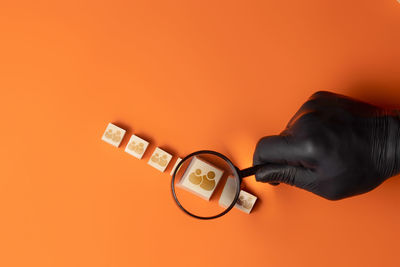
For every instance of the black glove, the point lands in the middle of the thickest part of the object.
(334, 146)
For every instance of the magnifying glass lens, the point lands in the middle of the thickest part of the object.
(206, 185)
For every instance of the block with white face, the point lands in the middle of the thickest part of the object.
(201, 178)
(136, 146)
(175, 165)
(245, 201)
(113, 135)
(160, 159)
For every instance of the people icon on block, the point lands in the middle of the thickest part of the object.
(245, 202)
(113, 135)
(201, 178)
(132, 146)
(109, 134)
(162, 161)
(159, 159)
(195, 177)
(206, 182)
(116, 137)
(138, 148)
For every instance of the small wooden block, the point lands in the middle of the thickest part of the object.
(113, 135)
(201, 178)
(245, 201)
(136, 146)
(160, 159)
(175, 165)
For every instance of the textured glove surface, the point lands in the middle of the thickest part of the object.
(334, 146)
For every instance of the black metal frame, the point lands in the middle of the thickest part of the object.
(239, 175)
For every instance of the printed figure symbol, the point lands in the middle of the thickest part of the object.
(109, 134)
(138, 148)
(245, 202)
(206, 182)
(162, 161)
(117, 136)
(195, 177)
(132, 146)
(155, 158)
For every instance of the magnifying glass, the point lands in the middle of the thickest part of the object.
(206, 184)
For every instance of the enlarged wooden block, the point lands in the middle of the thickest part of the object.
(228, 193)
(175, 165)
(136, 146)
(160, 159)
(245, 201)
(201, 178)
(113, 135)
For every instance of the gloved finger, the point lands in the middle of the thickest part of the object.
(292, 175)
(277, 149)
(314, 102)
(334, 101)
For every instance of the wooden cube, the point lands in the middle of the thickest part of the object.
(245, 201)
(160, 159)
(136, 146)
(201, 178)
(113, 135)
(175, 165)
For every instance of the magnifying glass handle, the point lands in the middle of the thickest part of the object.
(250, 171)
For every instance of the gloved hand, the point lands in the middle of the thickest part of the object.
(334, 147)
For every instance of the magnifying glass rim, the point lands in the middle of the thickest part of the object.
(233, 167)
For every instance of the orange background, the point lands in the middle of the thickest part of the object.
(185, 75)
